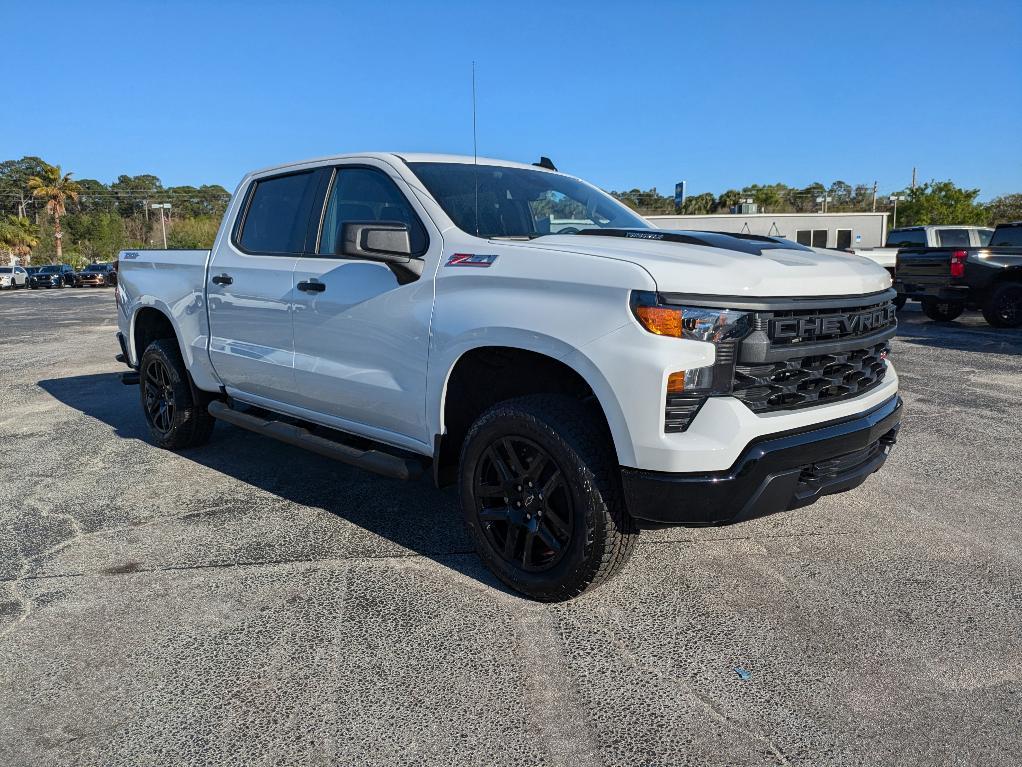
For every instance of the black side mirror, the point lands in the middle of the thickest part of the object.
(377, 240)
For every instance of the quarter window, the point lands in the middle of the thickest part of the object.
(365, 194)
(278, 214)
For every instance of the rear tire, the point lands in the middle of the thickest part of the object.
(942, 311)
(541, 496)
(176, 420)
(1003, 308)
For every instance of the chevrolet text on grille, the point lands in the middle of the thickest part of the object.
(832, 324)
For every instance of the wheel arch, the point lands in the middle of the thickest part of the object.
(514, 367)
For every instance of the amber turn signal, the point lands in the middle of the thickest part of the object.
(661, 320)
(676, 383)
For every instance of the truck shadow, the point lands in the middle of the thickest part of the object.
(413, 515)
(969, 333)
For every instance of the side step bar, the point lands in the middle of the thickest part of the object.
(387, 464)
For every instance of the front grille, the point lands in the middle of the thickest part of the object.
(792, 327)
(811, 380)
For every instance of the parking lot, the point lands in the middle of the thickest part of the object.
(251, 603)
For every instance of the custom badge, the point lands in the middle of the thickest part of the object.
(471, 259)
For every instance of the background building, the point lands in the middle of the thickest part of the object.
(821, 230)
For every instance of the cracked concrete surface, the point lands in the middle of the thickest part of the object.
(247, 603)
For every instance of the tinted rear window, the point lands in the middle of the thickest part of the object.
(1007, 235)
(953, 238)
(906, 238)
(278, 214)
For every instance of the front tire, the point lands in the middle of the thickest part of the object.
(942, 311)
(899, 302)
(541, 496)
(1004, 307)
(176, 420)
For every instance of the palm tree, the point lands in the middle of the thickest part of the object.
(56, 189)
(17, 236)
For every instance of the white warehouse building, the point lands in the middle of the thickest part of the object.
(821, 230)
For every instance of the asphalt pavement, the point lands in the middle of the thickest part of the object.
(248, 603)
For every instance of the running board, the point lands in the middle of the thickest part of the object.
(387, 464)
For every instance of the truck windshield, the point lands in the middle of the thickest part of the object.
(516, 202)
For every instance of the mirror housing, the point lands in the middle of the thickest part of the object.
(377, 240)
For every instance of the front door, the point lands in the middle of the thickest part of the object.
(361, 329)
(250, 288)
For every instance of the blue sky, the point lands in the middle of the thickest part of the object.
(643, 94)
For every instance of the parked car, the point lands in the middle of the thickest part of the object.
(97, 275)
(54, 276)
(13, 277)
(923, 236)
(575, 387)
(949, 280)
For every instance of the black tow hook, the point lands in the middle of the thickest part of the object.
(130, 378)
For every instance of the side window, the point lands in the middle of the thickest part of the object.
(983, 236)
(844, 239)
(365, 194)
(819, 238)
(804, 237)
(277, 218)
(953, 238)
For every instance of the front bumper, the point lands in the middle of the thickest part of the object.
(775, 473)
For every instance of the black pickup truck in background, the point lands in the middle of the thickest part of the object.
(950, 280)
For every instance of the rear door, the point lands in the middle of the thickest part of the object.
(249, 284)
(361, 328)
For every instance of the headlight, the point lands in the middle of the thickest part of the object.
(687, 389)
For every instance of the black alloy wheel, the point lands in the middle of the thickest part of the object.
(525, 510)
(942, 311)
(158, 396)
(1004, 308)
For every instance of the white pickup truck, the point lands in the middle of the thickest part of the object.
(405, 313)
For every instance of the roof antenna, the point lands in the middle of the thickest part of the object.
(475, 145)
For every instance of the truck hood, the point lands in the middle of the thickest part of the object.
(710, 263)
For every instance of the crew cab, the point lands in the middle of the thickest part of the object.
(416, 313)
(949, 280)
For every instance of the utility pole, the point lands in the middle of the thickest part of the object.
(163, 224)
(894, 199)
(825, 198)
(874, 196)
(913, 177)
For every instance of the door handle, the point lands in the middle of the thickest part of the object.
(312, 287)
(223, 279)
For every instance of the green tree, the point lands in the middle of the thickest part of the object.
(699, 204)
(1005, 208)
(727, 200)
(194, 233)
(941, 202)
(15, 196)
(18, 236)
(55, 189)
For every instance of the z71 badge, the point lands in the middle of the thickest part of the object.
(471, 259)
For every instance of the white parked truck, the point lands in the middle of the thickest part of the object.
(405, 313)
